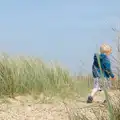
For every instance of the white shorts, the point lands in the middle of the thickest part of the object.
(98, 83)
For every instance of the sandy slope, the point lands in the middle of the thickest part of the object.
(24, 108)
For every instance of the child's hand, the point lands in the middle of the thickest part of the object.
(113, 78)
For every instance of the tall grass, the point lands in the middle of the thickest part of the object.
(27, 75)
(23, 75)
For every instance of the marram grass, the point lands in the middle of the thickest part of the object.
(28, 75)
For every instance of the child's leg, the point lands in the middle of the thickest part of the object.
(96, 86)
(108, 83)
(94, 90)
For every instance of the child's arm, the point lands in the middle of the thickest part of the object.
(107, 67)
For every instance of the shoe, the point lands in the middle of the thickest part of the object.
(100, 90)
(90, 99)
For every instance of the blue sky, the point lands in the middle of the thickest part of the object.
(60, 30)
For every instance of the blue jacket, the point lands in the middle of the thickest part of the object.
(105, 65)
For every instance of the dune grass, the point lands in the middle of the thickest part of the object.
(27, 75)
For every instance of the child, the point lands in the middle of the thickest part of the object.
(105, 51)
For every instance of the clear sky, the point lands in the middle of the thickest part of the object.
(60, 30)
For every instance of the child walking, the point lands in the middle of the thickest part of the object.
(105, 51)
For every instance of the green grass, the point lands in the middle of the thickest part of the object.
(28, 75)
